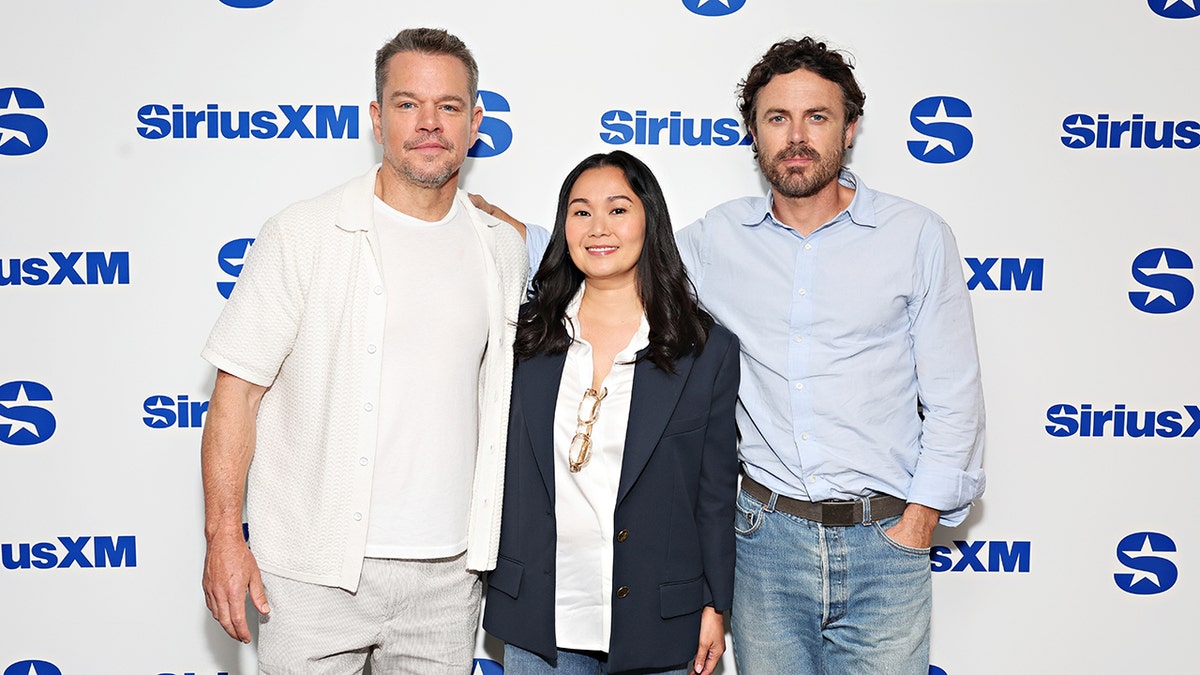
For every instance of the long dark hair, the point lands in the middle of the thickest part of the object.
(678, 325)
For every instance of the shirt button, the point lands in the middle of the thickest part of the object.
(622, 535)
(379, 290)
(370, 349)
(362, 461)
(623, 592)
(804, 437)
(799, 386)
(799, 338)
(802, 292)
(808, 247)
(368, 407)
(812, 479)
(358, 516)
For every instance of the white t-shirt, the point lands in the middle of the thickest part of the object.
(428, 427)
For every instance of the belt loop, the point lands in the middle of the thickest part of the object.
(770, 508)
(866, 503)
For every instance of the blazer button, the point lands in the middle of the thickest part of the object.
(623, 592)
(622, 535)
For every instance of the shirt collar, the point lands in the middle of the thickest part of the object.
(641, 339)
(861, 210)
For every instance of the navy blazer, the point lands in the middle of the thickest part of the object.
(674, 545)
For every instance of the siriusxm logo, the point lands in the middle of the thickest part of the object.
(713, 7)
(1067, 420)
(230, 259)
(98, 268)
(487, 667)
(1172, 292)
(494, 134)
(620, 128)
(1015, 274)
(32, 667)
(20, 132)
(157, 121)
(71, 552)
(22, 423)
(1086, 131)
(164, 412)
(1154, 573)
(1175, 9)
(946, 140)
(934, 670)
(247, 4)
(1001, 556)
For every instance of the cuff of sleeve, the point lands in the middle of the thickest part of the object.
(947, 489)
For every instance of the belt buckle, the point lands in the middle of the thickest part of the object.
(837, 513)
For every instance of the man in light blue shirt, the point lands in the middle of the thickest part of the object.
(860, 410)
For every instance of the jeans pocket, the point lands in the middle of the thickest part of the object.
(881, 527)
(747, 515)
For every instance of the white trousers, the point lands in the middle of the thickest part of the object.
(410, 617)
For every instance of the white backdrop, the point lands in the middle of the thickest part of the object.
(1079, 250)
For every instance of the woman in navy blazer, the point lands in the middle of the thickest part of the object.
(612, 281)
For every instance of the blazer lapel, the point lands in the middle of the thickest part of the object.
(537, 386)
(655, 393)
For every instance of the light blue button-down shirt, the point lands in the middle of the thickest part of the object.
(842, 333)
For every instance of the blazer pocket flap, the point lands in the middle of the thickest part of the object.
(682, 426)
(506, 578)
(681, 597)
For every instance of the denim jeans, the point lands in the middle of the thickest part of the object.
(517, 661)
(815, 600)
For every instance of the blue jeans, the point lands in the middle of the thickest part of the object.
(517, 661)
(814, 600)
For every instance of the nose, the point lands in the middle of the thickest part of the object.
(797, 133)
(429, 119)
(597, 225)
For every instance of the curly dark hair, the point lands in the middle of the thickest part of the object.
(678, 325)
(804, 54)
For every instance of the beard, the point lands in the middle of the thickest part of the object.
(432, 173)
(800, 182)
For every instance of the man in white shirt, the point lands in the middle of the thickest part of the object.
(359, 409)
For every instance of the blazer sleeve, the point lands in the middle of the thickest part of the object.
(718, 479)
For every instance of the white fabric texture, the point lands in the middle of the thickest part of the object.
(309, 302)
(414, 617)
(425, 451)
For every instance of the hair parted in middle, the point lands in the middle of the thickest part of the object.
(678, 326)
(790, 55)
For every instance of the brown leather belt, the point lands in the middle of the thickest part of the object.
(834, 513)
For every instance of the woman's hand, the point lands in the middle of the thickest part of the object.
(712, 641)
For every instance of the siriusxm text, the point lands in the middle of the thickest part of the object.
(164, 412)
(1099, 131)
(67, 552)
(621, 127)
(1015, 274)
(1001, 556)
(62, 268)
(1083, 420)
(303, 121)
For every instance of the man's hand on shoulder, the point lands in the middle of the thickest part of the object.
(230, 570)
(497, 212)
(915, 527)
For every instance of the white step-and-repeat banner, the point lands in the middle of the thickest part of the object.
(143, 143)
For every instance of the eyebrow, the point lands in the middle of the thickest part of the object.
(609, 199)
(444, 97)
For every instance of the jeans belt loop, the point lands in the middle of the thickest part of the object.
(866, 504)
(770, 507)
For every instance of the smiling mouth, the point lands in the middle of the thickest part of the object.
(601, 250)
